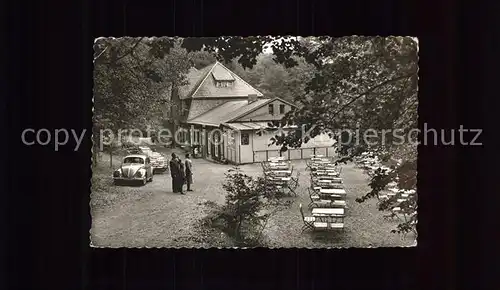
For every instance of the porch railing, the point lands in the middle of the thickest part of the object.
(293, 154)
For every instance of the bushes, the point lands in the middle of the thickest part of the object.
(404, 178)
(249, 204)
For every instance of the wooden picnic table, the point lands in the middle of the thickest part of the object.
(326, 176)
(322, 165)
(329, 185)
(324, 181)
(283, 178)
(332, 174)
(323, 170)
(328, 180)
(329, 203)
(332, 191)
(279, 165)
(319, 187)
(281, 171)
(279, 158)
(322, 212)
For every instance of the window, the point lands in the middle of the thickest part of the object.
(271, 109)
(245, 139)
(282, 109)
(197, 138)
(223, 84)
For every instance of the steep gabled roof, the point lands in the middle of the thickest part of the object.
(221, 74)
(231, 111)
(194, 78)
(227, 111)
(243, 114)
(202, 84)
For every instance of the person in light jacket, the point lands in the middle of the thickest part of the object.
(182, 176)
(189, 172)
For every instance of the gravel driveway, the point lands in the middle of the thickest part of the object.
(154, 216)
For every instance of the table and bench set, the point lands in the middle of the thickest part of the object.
(279, 172)
(326, 193)
(327, 196)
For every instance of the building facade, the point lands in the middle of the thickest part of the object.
(230, 120)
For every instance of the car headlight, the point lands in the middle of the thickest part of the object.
(117, 173)
(139, 173)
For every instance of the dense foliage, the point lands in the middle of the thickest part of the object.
(249, 204)
(134, 80)
(274, 79)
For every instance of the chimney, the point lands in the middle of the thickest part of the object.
(252, 98)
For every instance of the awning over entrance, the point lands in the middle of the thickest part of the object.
(252, 126)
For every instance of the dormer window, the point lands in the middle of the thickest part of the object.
(223, 84)
(222, 77)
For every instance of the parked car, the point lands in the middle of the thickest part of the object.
(134, 168)
(158, 160)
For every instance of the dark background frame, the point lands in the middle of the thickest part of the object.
(46, 193)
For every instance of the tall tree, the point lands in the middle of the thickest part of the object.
(133, 81)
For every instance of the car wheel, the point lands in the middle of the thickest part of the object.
(144, 181)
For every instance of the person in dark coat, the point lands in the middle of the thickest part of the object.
(189, 172)
(182, 175)
(174, 171)
(177, 172)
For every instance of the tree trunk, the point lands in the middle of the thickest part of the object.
(111, 158)
(174, 128)
(174, 105)
(263, 228)
(240, 220)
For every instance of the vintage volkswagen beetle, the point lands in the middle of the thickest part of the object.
(134, 168)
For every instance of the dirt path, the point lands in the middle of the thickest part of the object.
(162, 218)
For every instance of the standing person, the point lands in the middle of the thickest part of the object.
(174, 171)
(181, 178)
(189, 172)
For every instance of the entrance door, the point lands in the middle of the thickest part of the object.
(216, 144)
